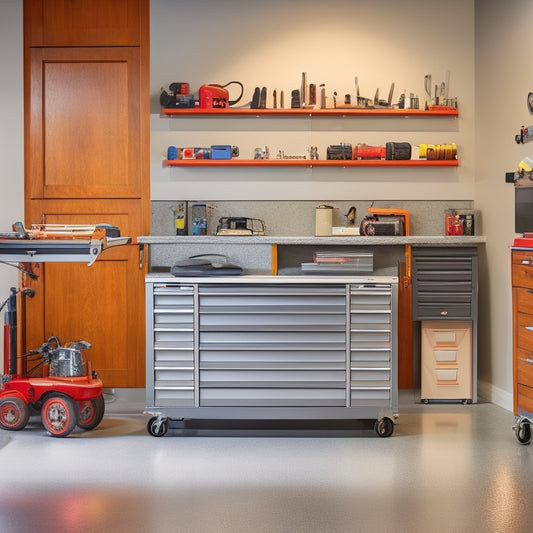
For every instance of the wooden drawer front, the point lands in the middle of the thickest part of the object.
(524, 368)
(524, 331)
(522, 276)
(522, 257)
(524, 300)
(525, 398)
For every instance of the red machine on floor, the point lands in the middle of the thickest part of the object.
(67, 394)
(54, 380)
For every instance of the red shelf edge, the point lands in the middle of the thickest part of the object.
(306, 163)
(310, 112)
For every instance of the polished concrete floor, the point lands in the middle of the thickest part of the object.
(447, 468)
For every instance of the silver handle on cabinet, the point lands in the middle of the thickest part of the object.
(444, 313)
(529, 328)
(141, 256)
(528, 360)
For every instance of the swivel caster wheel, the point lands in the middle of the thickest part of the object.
(157, 427)
(384, 427)
(523, 432)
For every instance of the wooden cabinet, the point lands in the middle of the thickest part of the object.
(446, 360)
(87, 161)
(85, 124)
(84, 22)
(522, 279)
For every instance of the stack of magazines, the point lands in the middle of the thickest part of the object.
(340, 262)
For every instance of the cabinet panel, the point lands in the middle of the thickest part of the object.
(444, 283)
(84, 22)
(524, 367)
(100, 303)
(524, 398)
(85, 133)
(522, 276)
(524, 300)
(128, 215)
(524, 325)
(446, 360)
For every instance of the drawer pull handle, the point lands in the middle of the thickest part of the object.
(526, 261)
(529, 328)
(529, 360)
(444, 313)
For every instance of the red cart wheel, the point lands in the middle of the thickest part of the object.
(59, 415)
(91, 412)
(14, 413)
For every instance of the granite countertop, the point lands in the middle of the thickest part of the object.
(414, 240)
(165, 277)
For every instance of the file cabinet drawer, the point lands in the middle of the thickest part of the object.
(524, 300)
(522, 276)
(524, 367)
(525, 397)
(524, 332)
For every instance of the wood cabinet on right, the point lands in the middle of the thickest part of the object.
(522, 279)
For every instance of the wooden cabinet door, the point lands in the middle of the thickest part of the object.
(84, 22)
(102, 303)
(85, 135)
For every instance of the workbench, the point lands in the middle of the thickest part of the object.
(271, 347)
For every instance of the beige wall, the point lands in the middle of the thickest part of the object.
(11, 134)
(271, 44)
(200, 41)
(503, 80)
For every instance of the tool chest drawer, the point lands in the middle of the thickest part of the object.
(172, 338)
(371, 344)
(279, 349)
(290, 325)
(444, 283)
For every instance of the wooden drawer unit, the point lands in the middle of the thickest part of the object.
(522, 279)
(446, 361)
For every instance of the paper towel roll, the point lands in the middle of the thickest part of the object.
(324, 220)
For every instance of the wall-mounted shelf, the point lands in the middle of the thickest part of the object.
(337, 112)
(307, 163)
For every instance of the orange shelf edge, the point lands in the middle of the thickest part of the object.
(307, 163)
(310, 112)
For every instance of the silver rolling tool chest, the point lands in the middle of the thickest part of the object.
(270, 348)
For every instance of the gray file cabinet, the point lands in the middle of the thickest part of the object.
(271, 347)
(445, 299)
